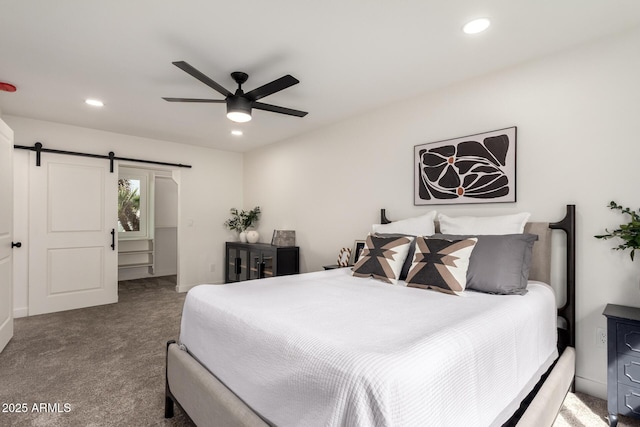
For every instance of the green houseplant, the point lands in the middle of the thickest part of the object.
(629, 232)
(241, 220)
(128, 206)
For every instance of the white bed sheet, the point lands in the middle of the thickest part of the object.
(330, 349)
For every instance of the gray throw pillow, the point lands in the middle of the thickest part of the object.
(499, 264)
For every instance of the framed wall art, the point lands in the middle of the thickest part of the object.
(283, 238)
(478, 168)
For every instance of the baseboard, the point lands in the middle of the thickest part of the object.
(591, 387)
(169, 272)
(20, 312)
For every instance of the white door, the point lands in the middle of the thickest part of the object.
(72, 227)
(6, 229)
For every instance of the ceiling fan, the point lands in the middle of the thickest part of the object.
(239, 104)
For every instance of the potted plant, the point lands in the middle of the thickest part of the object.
(241, 220)
(629, 232)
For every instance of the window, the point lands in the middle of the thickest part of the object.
(134, 210)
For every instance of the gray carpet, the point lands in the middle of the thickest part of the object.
(582, 410)
(107, 363)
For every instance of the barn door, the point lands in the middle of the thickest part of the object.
(6, 231)
(72, 233)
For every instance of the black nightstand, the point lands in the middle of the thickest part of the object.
(332, 266)
(623, 362)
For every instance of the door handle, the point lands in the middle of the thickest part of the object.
(260, 264)
(16, 245)
(113, 239)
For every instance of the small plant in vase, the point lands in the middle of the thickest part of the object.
(629, 233)
(242, 220)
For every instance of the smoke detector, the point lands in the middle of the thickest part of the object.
(7, 87)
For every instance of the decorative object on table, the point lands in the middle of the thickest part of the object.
(252, 236)
(358, 246)
(283, 238)
(343, 257)
(478, 168)
(241, 220)
(629, 232)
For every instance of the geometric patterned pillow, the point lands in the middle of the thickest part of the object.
(382, 258)
(441, 264)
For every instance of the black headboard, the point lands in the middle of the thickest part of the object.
(567, 330)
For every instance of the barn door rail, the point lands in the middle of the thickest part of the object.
(38, 148)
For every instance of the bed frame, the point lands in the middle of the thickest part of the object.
(208, 402)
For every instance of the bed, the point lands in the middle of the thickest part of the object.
(349, 351)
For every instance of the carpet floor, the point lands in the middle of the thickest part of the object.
(104, 366)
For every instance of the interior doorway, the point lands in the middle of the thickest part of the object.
(147, 223)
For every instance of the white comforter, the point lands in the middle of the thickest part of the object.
(329, 349)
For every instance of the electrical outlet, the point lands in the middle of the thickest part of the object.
(601, 338)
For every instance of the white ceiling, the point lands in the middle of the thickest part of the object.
(349, 55)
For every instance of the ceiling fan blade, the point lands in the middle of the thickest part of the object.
(204, 79)
(276, 109)
(273, 87)
(213, 101)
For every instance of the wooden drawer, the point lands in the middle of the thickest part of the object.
(629, 370)
(628, 339)
(628, 400)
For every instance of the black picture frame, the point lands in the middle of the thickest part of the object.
(358, 246)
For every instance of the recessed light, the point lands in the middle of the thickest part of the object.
(476, 26)
(236, 132)
(94, 102)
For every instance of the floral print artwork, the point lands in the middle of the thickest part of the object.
(475, 169)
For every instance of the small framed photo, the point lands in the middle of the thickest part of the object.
(343, 257)
(358, 246)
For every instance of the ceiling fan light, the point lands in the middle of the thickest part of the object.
(238, 116)
(239, 109)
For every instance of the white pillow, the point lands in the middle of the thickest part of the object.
(474, 225)
(418, 226)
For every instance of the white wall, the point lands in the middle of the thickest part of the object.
(204, 192)
(166, 233)
(577, 118)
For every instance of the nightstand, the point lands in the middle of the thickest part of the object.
(623, 362)
(332, 266)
